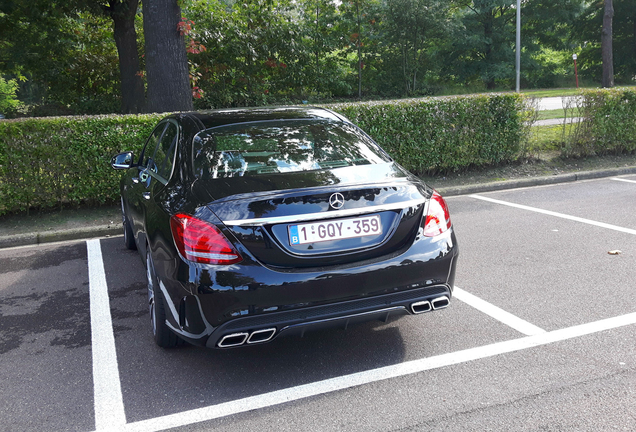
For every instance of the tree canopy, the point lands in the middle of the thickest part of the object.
(99, 56)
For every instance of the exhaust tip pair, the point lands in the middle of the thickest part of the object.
(237, 339)
(427, 306)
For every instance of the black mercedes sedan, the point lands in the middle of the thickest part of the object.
(257, 223)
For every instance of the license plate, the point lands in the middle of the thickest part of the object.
(334, 230)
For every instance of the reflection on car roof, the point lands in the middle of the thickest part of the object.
(214, 118)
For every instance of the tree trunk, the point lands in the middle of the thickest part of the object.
(132, 86)
(166, 61)
(359, 52)
(317, 50)
(606, 45)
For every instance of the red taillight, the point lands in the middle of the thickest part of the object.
(438, 218)
(201, 242)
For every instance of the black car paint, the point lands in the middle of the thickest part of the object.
(269, 281)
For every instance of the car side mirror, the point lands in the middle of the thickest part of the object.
(122, 161)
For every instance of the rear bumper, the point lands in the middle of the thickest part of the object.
(247, 304)
(340, 314)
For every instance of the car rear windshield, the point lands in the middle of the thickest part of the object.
(280, 147)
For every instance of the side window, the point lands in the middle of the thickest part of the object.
(164, 155)
(151, 145)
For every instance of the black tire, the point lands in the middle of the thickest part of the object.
(129, 237)
(164, 337)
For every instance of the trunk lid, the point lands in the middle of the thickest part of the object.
(290, 227)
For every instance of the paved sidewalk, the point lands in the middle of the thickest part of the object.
(552, 103)
(556, 121)
(105, 222)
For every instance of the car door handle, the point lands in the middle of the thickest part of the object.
(146, 195)
(135, 180)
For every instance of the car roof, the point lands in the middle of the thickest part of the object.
(220, 117)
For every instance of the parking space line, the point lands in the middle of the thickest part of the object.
(500, 315)
(109, 404)
(623, 180)
(394, 371)
(560, 215)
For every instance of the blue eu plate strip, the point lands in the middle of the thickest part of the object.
(293, 235)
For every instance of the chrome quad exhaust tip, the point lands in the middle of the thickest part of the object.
(237, 339)
(261, 336)
(429, 305)
(232, 340)
(440, 303)
(421, 307)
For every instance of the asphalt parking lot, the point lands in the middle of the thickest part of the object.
(541, 335)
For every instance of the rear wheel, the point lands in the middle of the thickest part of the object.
(129, 237)
(164, 337)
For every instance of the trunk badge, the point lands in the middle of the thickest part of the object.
(336, 201)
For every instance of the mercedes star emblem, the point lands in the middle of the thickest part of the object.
(336, 201)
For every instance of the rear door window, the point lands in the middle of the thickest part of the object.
(164, 153)
(151, 144)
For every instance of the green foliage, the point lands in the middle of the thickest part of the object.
(358, 25)
(324, 71)
(260, 52)
(484, 47)
(588, 31)
(87, 80)
(449, 134)
(49, 161)
(608, 125)
(252, 54)
(548, 68)
(485, 51)
(67, 57)
(412, 32)
(8, 100)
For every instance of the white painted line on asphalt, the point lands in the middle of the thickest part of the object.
(623, 180)
(560, 215)
(109, 403)
(501, 315)
(347, 381)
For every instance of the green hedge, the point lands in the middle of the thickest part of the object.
(608, 124)
(447, 134)
(48, 161)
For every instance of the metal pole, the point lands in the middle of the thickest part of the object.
(518, 56)
(576, 74)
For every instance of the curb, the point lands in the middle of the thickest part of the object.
(60, 235)
(534, 181)
(111, 230)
